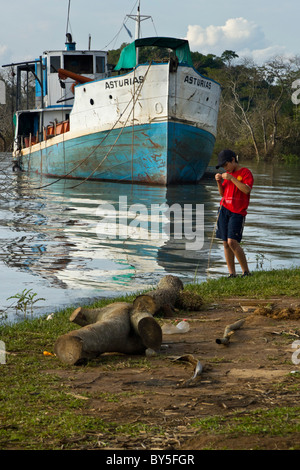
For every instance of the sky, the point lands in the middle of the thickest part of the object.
(260, 29)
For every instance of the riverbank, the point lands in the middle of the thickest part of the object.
(247, 396)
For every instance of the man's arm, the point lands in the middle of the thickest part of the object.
(218, 178)
(241, 186)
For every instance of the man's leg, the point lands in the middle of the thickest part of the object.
(229, 257)
(238, 252)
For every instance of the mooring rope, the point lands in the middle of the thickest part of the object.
(100, 143)
(211, 243)
(134, 98)
(212, 237)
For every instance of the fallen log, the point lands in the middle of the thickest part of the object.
(164, 296)
(147, 305)
(141, 317)
(112, 333)
(228, 332)
(118, 327)
(86, 316)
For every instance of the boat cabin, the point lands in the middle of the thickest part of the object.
(49, 114)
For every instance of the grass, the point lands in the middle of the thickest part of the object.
(278, 421)
(38, 412)
(261, 284)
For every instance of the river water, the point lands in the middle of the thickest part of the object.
(71, 242)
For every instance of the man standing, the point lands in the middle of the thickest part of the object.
(234, 186)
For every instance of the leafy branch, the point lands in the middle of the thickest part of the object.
(26, 301)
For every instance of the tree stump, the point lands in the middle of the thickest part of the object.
(164, 296)
(112, 333)
(118, 327)
(145, 326)
(87, 316)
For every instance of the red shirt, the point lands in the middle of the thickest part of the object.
(233, 198)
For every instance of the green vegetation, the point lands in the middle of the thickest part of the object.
(261, 284)
(39, 411)
(25, 301)
(274, 422)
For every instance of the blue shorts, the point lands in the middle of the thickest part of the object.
(230, 225)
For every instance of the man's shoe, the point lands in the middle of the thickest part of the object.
(231, 275)
(246, 273)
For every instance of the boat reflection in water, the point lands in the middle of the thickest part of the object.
(80, 241)
(50, 238)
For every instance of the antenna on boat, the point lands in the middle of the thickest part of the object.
(70, 45)
(138, 18)
(138, 22)
(68, 17)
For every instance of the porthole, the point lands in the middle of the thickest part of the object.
(92, 101)
(158, 108)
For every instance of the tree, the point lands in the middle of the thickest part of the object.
(228, 56)
(256, 102)
(238, 97)
(204, 64)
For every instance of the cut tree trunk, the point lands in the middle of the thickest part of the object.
(141, 317)
(112, 333)
(87, 316)
(118, 327)
(164, 296)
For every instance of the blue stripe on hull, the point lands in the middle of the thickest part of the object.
(163, 153)
(190, 150)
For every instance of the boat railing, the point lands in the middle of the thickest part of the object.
(51, 130)
(56, 128)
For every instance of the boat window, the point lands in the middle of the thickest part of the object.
(28, 124)
(79, 63)
(54, 63)
(100, 64)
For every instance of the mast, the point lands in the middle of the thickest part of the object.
(138, 29)
(138, 21)
(138, 18)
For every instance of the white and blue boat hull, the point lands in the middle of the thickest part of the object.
(162, 153)
(152, 125)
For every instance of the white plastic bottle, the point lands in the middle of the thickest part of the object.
(183, 326)
(170, 329)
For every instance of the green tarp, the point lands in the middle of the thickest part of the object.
(181, 47)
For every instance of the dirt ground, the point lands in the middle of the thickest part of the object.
(254, 371)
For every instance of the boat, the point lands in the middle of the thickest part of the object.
(152, 122)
